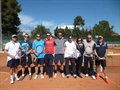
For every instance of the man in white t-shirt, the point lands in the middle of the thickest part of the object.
(70, 48)
(12, 50)
(88, 56)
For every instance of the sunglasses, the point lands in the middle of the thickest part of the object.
(26, 37)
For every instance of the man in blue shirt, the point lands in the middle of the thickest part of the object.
(100, 48)
(39, 57)
(26, 59)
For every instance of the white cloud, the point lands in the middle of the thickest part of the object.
(27, 20)
(47, 23)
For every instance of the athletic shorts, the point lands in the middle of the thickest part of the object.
(100, 62)
(59, 57)
(25, 62)
(13, 63)
(39, 61)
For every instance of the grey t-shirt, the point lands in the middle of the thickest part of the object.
(59, 46)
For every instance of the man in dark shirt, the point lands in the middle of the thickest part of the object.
(100, 48)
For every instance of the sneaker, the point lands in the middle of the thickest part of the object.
(50, 78)
(86, 75)
(22, 78)
(93, 77)
(67, 76)
(11, 82)
(42, 76)
(63, 75)
(106, 80)
(97, 76)
(30, 77)
(80, 76)
(55, 75)
(36, 76)
(74, 75)
(17, 78)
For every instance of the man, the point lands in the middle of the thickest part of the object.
(59, 54)
(70, 49)
(12, 50)
(88, 56)
(49, 51)
(26, 59)
(38, 46)
(100, 48)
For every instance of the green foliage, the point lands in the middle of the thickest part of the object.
(10, 19)
(40, 29)
(103, 28)
(78, 21)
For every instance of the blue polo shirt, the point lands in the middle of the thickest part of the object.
(23, 45)
(37, 43)
(100, 49)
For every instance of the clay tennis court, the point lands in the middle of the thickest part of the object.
(113, 65)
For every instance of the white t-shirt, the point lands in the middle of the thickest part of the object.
(69, 48)
(88, 47)
(13, 49)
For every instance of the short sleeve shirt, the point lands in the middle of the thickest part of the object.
(36, 44)
(24, 45)
(13, 49)
(100, 49)
(70, 48)
(59, 43)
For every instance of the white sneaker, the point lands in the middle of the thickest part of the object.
(63, 75)
(36, 76)
(55, 75)
(93, 77)
(67, 75)
(11, 82)
(42, 76)
(74, 75)
(17, 78)
(86, 75)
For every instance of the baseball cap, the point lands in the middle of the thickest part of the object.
(14, 35)
(100, 37)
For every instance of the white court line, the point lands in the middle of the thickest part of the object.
(3, 81)
(115, 54)
(114, 83)
(5, 72)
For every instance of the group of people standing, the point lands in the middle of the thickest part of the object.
(52, 51)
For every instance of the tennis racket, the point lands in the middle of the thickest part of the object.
(26, 48)
(38, 50)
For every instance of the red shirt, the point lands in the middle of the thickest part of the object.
(49, 46)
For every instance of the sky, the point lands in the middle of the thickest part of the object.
(52, 13)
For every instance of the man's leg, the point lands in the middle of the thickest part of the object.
(72, 60)
(55, 66)
(67, 67)
(103, 63)
(86, 66)
(11, 75)
(92, 68)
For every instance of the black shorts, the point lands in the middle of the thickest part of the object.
(13, 63)
(25, 62)
(39, 61)
(102, 62)
(59, 57)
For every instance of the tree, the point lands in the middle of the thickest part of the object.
(10, 19)
(103, 28)
(78, 21)
(41, 30)
(67, 32)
